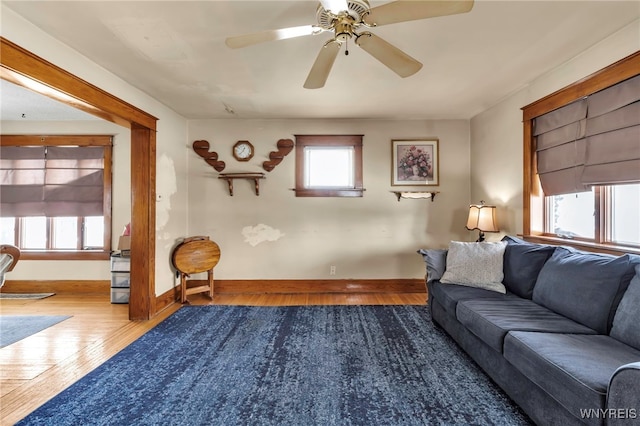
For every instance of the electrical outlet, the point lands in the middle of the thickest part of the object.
(332, 270)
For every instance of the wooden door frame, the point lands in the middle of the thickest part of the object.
(22, 67)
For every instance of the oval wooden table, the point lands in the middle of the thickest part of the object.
(194, 255)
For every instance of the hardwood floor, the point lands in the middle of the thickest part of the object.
(37, 368)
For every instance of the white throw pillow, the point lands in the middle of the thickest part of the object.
(476, 265)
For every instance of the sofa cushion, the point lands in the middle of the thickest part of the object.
(448, 295)
(626, 324)
(476, 265)
(585, 287)
(492, 319)
(573, 368)
(522, 264)
(436, 260)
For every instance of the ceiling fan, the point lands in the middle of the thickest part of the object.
(343, 18)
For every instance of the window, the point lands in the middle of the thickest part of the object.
(329, 166)
(56, 196)
(571, 215)
(582, 163)
(578, 216)
(625, 225)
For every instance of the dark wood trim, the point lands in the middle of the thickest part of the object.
(329, 140)
(615, 73)
(75, 255)
(527, 173)
(303, 141)
(143, 221)
(56, 140)
(26, 69)
(582, 245)
(168, 298)
(355, 286)
(18, 63)
(107, 196)
(317, 286)
(56, 286)
(355, 192)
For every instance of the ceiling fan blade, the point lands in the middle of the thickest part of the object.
(402, 11)
(272, 35)
(334, 6)
(394, 58)
(322, 66)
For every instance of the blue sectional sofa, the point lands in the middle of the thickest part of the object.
(561, 336)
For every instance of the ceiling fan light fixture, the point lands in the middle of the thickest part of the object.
(343, 18)
(356, 10)
(343, 30)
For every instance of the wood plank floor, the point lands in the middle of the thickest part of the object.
(35, 369)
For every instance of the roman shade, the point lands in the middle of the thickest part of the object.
(51, 181)
(592, 141)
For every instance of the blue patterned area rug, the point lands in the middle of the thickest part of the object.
(296, 365)
(14, 328)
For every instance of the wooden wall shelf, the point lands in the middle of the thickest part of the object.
(416, 194)
(275, 157)
(229, 177)
(201, 148)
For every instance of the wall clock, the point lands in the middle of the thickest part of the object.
(243, 151)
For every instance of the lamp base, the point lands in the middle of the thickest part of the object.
(480, 237)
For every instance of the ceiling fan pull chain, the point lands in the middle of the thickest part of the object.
(346, 48)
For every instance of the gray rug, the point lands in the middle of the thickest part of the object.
(14, 328)
(30, 296)
(309, 365)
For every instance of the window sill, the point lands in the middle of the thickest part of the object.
(327, 192)
(64, 255)
(582, 245)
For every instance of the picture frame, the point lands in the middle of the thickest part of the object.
(415, 162)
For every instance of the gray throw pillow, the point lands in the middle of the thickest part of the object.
(586, 287)
(476, 265)
(626, 326)
(522, 264)
(436, 260)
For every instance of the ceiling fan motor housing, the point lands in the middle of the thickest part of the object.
(357, 9)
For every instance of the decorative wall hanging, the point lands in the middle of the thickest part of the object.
(201, 148)
(414, 162)
(243, 151)
(275, 157)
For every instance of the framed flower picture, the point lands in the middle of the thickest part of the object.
(414, 162)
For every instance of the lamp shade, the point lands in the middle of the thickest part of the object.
(482, 218)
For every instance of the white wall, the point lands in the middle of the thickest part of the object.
(370, 237)
(497, 136)
(172, 207)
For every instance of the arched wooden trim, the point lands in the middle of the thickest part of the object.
(26, 69)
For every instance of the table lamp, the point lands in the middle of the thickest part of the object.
(483, 218)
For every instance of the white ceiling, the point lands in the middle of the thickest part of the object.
(20, 104)
(175, 52)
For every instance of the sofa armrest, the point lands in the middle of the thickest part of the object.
(623, 396)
